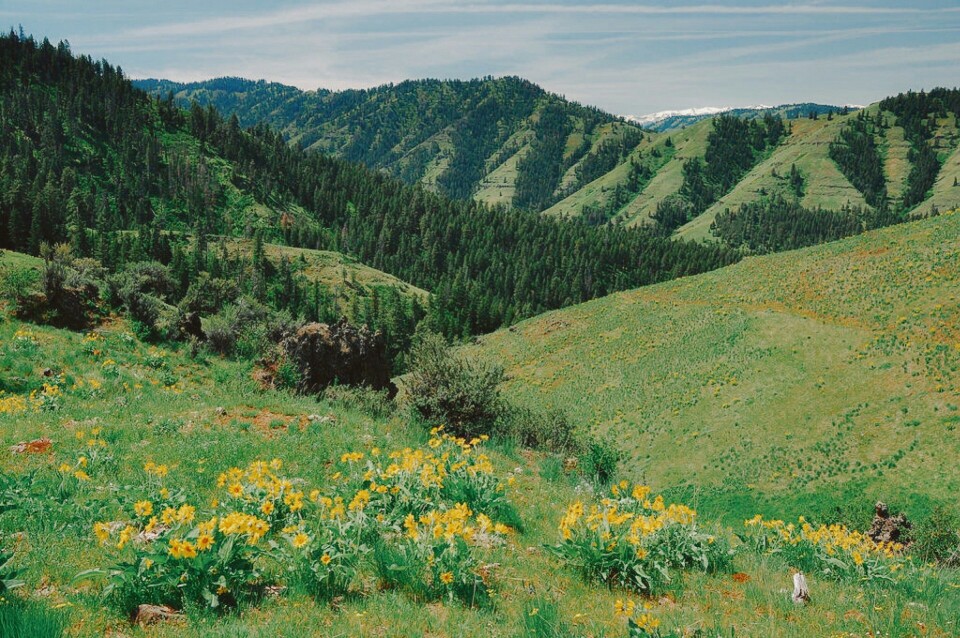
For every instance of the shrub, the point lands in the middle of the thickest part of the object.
(444, 389)
(833, 551)
(548, 430)
(18, 283)
(374, 403)
(600, 459)
(936, 539)
(631, 541)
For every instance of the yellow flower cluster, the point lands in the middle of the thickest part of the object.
(240, 524)
(13, 404)
(427, 469)
(451, 524)
(630, 516)
(832, 539)
(259, 486)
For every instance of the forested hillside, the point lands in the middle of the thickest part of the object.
(498, 140)
(87, 158)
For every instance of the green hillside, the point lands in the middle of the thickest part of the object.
(461, 138)
(807, 148)
(88, 159)
(829, 370)
(755, 389)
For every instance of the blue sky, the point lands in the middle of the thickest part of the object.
(625, 57)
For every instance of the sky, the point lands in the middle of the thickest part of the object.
(626, 57)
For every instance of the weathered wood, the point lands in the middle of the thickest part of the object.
(801, 593)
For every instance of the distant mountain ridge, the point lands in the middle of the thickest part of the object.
(498, 140)
(664, 121)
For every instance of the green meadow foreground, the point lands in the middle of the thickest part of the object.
(802, 386)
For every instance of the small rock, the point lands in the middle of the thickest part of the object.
(274, 591)
(36, 446)
(148, 614)
(221, 411)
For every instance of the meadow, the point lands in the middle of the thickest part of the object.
(758, 402)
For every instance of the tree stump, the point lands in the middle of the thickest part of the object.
(801, 593)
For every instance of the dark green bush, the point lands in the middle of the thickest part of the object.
(600, 459)
(446, 389)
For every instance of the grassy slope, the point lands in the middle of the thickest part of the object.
(689, 143)
(780, 373)
(332, 269)
(203, 416)
(808, 147)
(597, 192)
(945, 195)
(214, 417)
(896, 165)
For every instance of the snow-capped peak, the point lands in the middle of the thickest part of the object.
(661, 115)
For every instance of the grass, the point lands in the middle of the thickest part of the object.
(752, 389)
(782, 379)
(341, 273)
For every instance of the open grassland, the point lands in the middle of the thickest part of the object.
(896, 162)
(781, 380)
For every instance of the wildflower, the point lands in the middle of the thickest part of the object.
(102, 531)
(300, 540)
(204, 542)
(446, 578)
(81, 475)
(185, 513)
(646, 622)
(235, 490)
(267, 508)
(325, 559)
(143, 508)
(181, 548)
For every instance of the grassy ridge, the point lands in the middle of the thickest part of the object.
(802, 373)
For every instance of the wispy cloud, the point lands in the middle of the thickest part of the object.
(620, 55)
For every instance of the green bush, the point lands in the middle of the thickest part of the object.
(548, 430)
(936, 539)
(600, 460)
(374, 403)
(445, 389)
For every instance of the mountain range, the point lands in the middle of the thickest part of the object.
(505, 141)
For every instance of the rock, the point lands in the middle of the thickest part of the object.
(36, 446)
(321, 419)
(340, 352)
(221, 411)
(149, 614)
(886, 528)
